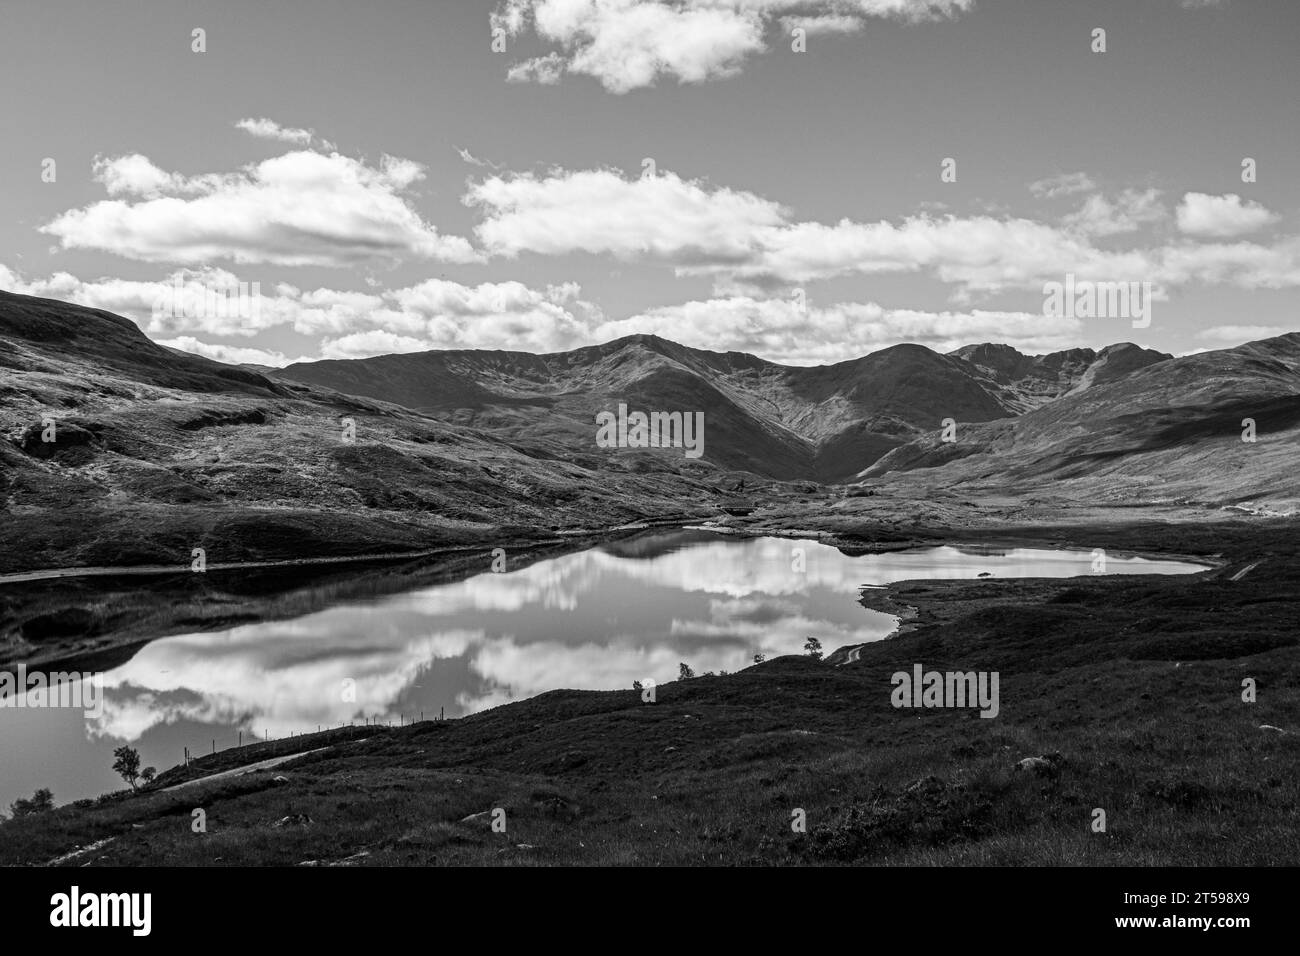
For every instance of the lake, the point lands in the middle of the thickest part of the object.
(597, 619)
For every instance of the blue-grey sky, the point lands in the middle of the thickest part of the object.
(391, 182)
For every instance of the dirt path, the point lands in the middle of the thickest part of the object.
(247, 768)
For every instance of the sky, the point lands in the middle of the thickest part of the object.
(806, 180)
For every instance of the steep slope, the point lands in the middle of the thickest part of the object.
(1169, 431)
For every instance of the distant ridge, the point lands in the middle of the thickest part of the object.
(825, 422)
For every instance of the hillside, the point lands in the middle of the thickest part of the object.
(157, 453)
(1171, 431)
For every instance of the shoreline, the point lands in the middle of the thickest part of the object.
(392, 572)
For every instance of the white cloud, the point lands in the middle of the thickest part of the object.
(597, 211)
(136, 175)
(299, 209)
(747, 243)
(230, 354)
(826, 23)
(981, 253)
(156, 306)
(1064, 184)
(269, 129)
(473, 160)
(544, 70)
(1247, 265)
(431, 314)
(1200, 214)
(779, 330)
(1128, 212)
(374, 342)
(630, 44)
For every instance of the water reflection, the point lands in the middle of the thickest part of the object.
(597, 619)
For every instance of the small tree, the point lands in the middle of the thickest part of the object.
(40, 801)
(636, 685)
(814, 648)
(148, 773)
(759, 658)
(127, 764)
(684, 672)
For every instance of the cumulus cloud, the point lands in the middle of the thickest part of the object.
(660, 216)
(432, 314)
(373, 342)
(230, 354)
(299, 209)
(785, 331)
(1247, 265)
(136, 175)
(630, 44)
(1129, 211)
(1200, 214)
(747, 243)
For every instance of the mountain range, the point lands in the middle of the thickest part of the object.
(824, 423)
(160, 452)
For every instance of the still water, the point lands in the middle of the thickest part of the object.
(596, 619)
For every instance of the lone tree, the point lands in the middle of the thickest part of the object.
(684, 672)
(148, 773)
(814, 648)
(127, 764)
(759, 658)
(41, 801)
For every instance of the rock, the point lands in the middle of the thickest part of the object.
(1045, 765)
(669, 750)
(1278, 730)
(477, 817)
(280, 779)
